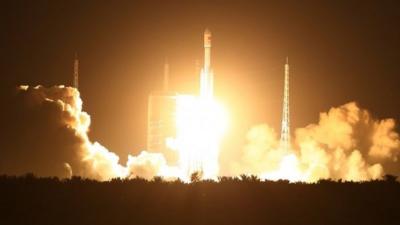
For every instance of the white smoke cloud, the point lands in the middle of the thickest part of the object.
(149, 165)
(49, 137)
(385, 141)
(261, 152)
(56, 113)
(347, 143)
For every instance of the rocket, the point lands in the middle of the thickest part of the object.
(207, 76)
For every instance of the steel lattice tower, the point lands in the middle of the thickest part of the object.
(76, 72)
(285, 130)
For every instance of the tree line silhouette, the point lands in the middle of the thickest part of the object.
(230, 200)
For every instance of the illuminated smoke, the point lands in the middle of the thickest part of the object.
(346, 144)
(148, 165)
(44, 132)
(49, 137)
(56, 115)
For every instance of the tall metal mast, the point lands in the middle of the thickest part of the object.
(76, 71)
(285, 130)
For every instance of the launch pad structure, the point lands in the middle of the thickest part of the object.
(161, 119)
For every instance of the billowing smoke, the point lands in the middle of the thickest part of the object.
(49, 137)
(46, 133)
(346, 144)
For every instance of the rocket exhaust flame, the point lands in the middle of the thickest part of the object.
(200, 123)
(200, 126)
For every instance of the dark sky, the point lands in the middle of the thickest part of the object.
(339, 51)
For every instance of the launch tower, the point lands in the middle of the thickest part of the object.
(285, 131)
(76, 72)
(161, 122)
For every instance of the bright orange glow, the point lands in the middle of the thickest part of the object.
(201, 123)
(288, 170)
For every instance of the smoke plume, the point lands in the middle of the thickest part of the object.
(347, 143)
(49, 138)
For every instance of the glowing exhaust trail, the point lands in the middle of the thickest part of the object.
(200, 123)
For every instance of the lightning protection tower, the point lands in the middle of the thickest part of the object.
(285, 130)
(76, 71)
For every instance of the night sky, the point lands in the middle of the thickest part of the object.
(339, 51)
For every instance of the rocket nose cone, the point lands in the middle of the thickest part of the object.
(207, 31)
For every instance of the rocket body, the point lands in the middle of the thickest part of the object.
(207, 76)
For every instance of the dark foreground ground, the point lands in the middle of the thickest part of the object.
(29, 200)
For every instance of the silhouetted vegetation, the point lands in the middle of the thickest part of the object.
(230, 200)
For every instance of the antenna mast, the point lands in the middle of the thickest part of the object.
(285, 131)
(76, 72)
